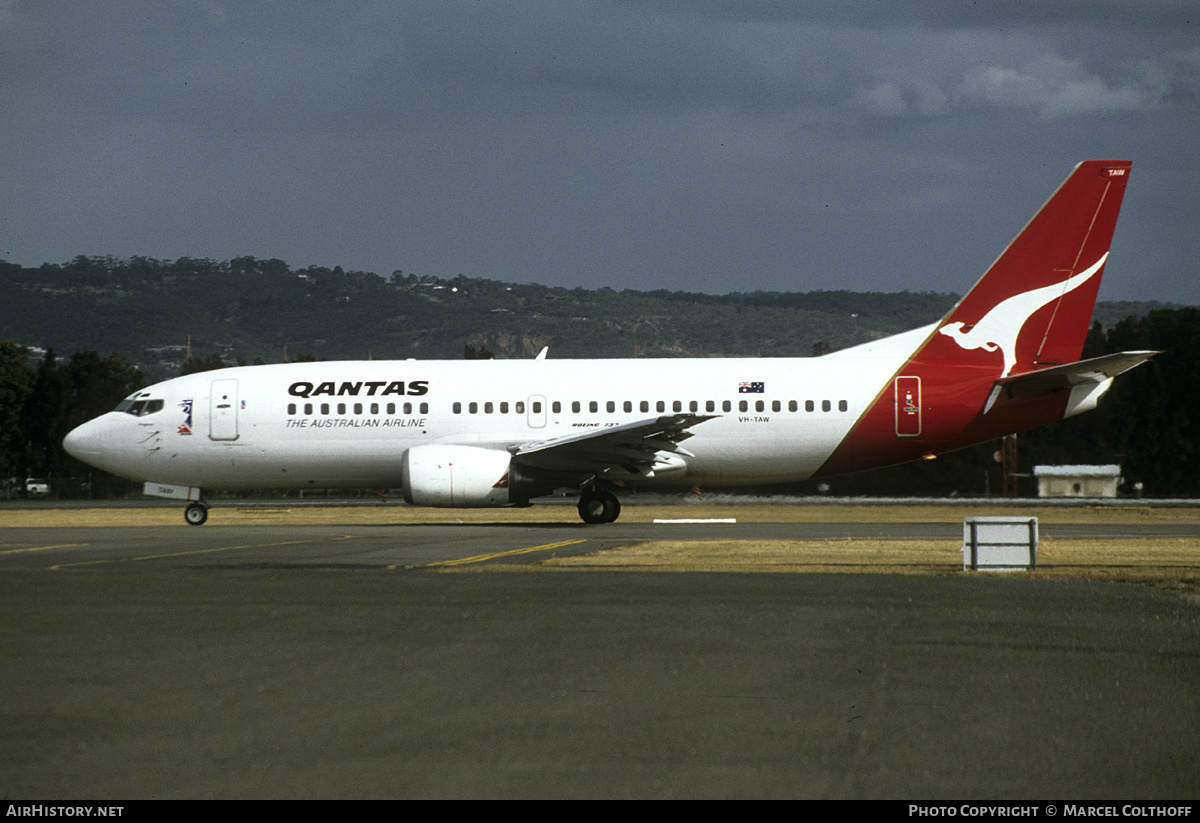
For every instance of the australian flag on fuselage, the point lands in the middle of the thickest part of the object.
(752, 388)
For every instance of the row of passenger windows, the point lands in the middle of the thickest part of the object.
(660, 406)
(357, 408)
(593, 407)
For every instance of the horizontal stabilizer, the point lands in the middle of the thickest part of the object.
(1087, 379)
(1095, 370)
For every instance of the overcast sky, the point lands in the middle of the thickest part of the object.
(700, 146)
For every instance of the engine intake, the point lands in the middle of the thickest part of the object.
(465, 477)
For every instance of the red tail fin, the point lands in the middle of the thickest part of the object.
(1029, 312)
(1035, 302)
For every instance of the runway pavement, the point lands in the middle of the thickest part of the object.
(342, 661)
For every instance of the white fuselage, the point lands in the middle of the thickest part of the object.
(347, 424)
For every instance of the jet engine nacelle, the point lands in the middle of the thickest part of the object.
(458, 477)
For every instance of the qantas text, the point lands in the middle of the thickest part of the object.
(370, 389)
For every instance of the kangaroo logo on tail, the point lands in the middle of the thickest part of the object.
(1000, 327)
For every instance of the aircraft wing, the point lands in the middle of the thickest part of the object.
(636, 448)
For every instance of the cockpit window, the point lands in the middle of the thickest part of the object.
(140, 405)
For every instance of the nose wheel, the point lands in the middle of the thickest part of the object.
(599, 506)
(195, 514)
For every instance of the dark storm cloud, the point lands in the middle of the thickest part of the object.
(707, 146)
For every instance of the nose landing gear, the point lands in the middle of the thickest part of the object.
(196, 513)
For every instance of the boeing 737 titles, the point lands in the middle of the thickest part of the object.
(502, 433)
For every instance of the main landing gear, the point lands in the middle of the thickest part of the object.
(599, 506)
(196, 513)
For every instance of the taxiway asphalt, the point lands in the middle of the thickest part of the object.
(331, 661)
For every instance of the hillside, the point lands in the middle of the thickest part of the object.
(247, 309)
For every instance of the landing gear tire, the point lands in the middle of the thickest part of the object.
(196, 514)
(599, 507)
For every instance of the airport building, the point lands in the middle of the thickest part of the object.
(1077, 481)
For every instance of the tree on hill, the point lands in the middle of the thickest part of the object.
(198, 364)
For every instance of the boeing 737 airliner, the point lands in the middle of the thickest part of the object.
(501, 433)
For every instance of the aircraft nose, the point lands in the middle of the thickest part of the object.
(105, 443)
(83, 442)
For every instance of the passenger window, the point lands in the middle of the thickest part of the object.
(487, 408)
(628, 406)
(661, 406)
(710, 405)
(743, 405)
(645, 405)
(792, 405)
(324, 408)
(537, 406)
(575, 406)
(593, 406)
(358, 408)
(424, 408)
(556, 407)
(308, 408)
(504, 407)
(610, 407)
(391, 408)
(759, 405)
(843, 405)
(677, 405)
(374, 408)
(825, 405)
(473, 408)
(726, 405)
(520, 407)
(808, 406)
(408, 408)
(457, 407)
(291, 408)
(775, 406)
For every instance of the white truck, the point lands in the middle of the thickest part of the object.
(36, 487)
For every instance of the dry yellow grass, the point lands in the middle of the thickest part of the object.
(270, 515)
(1167, 562)
(904, 556)
(1172, 563)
